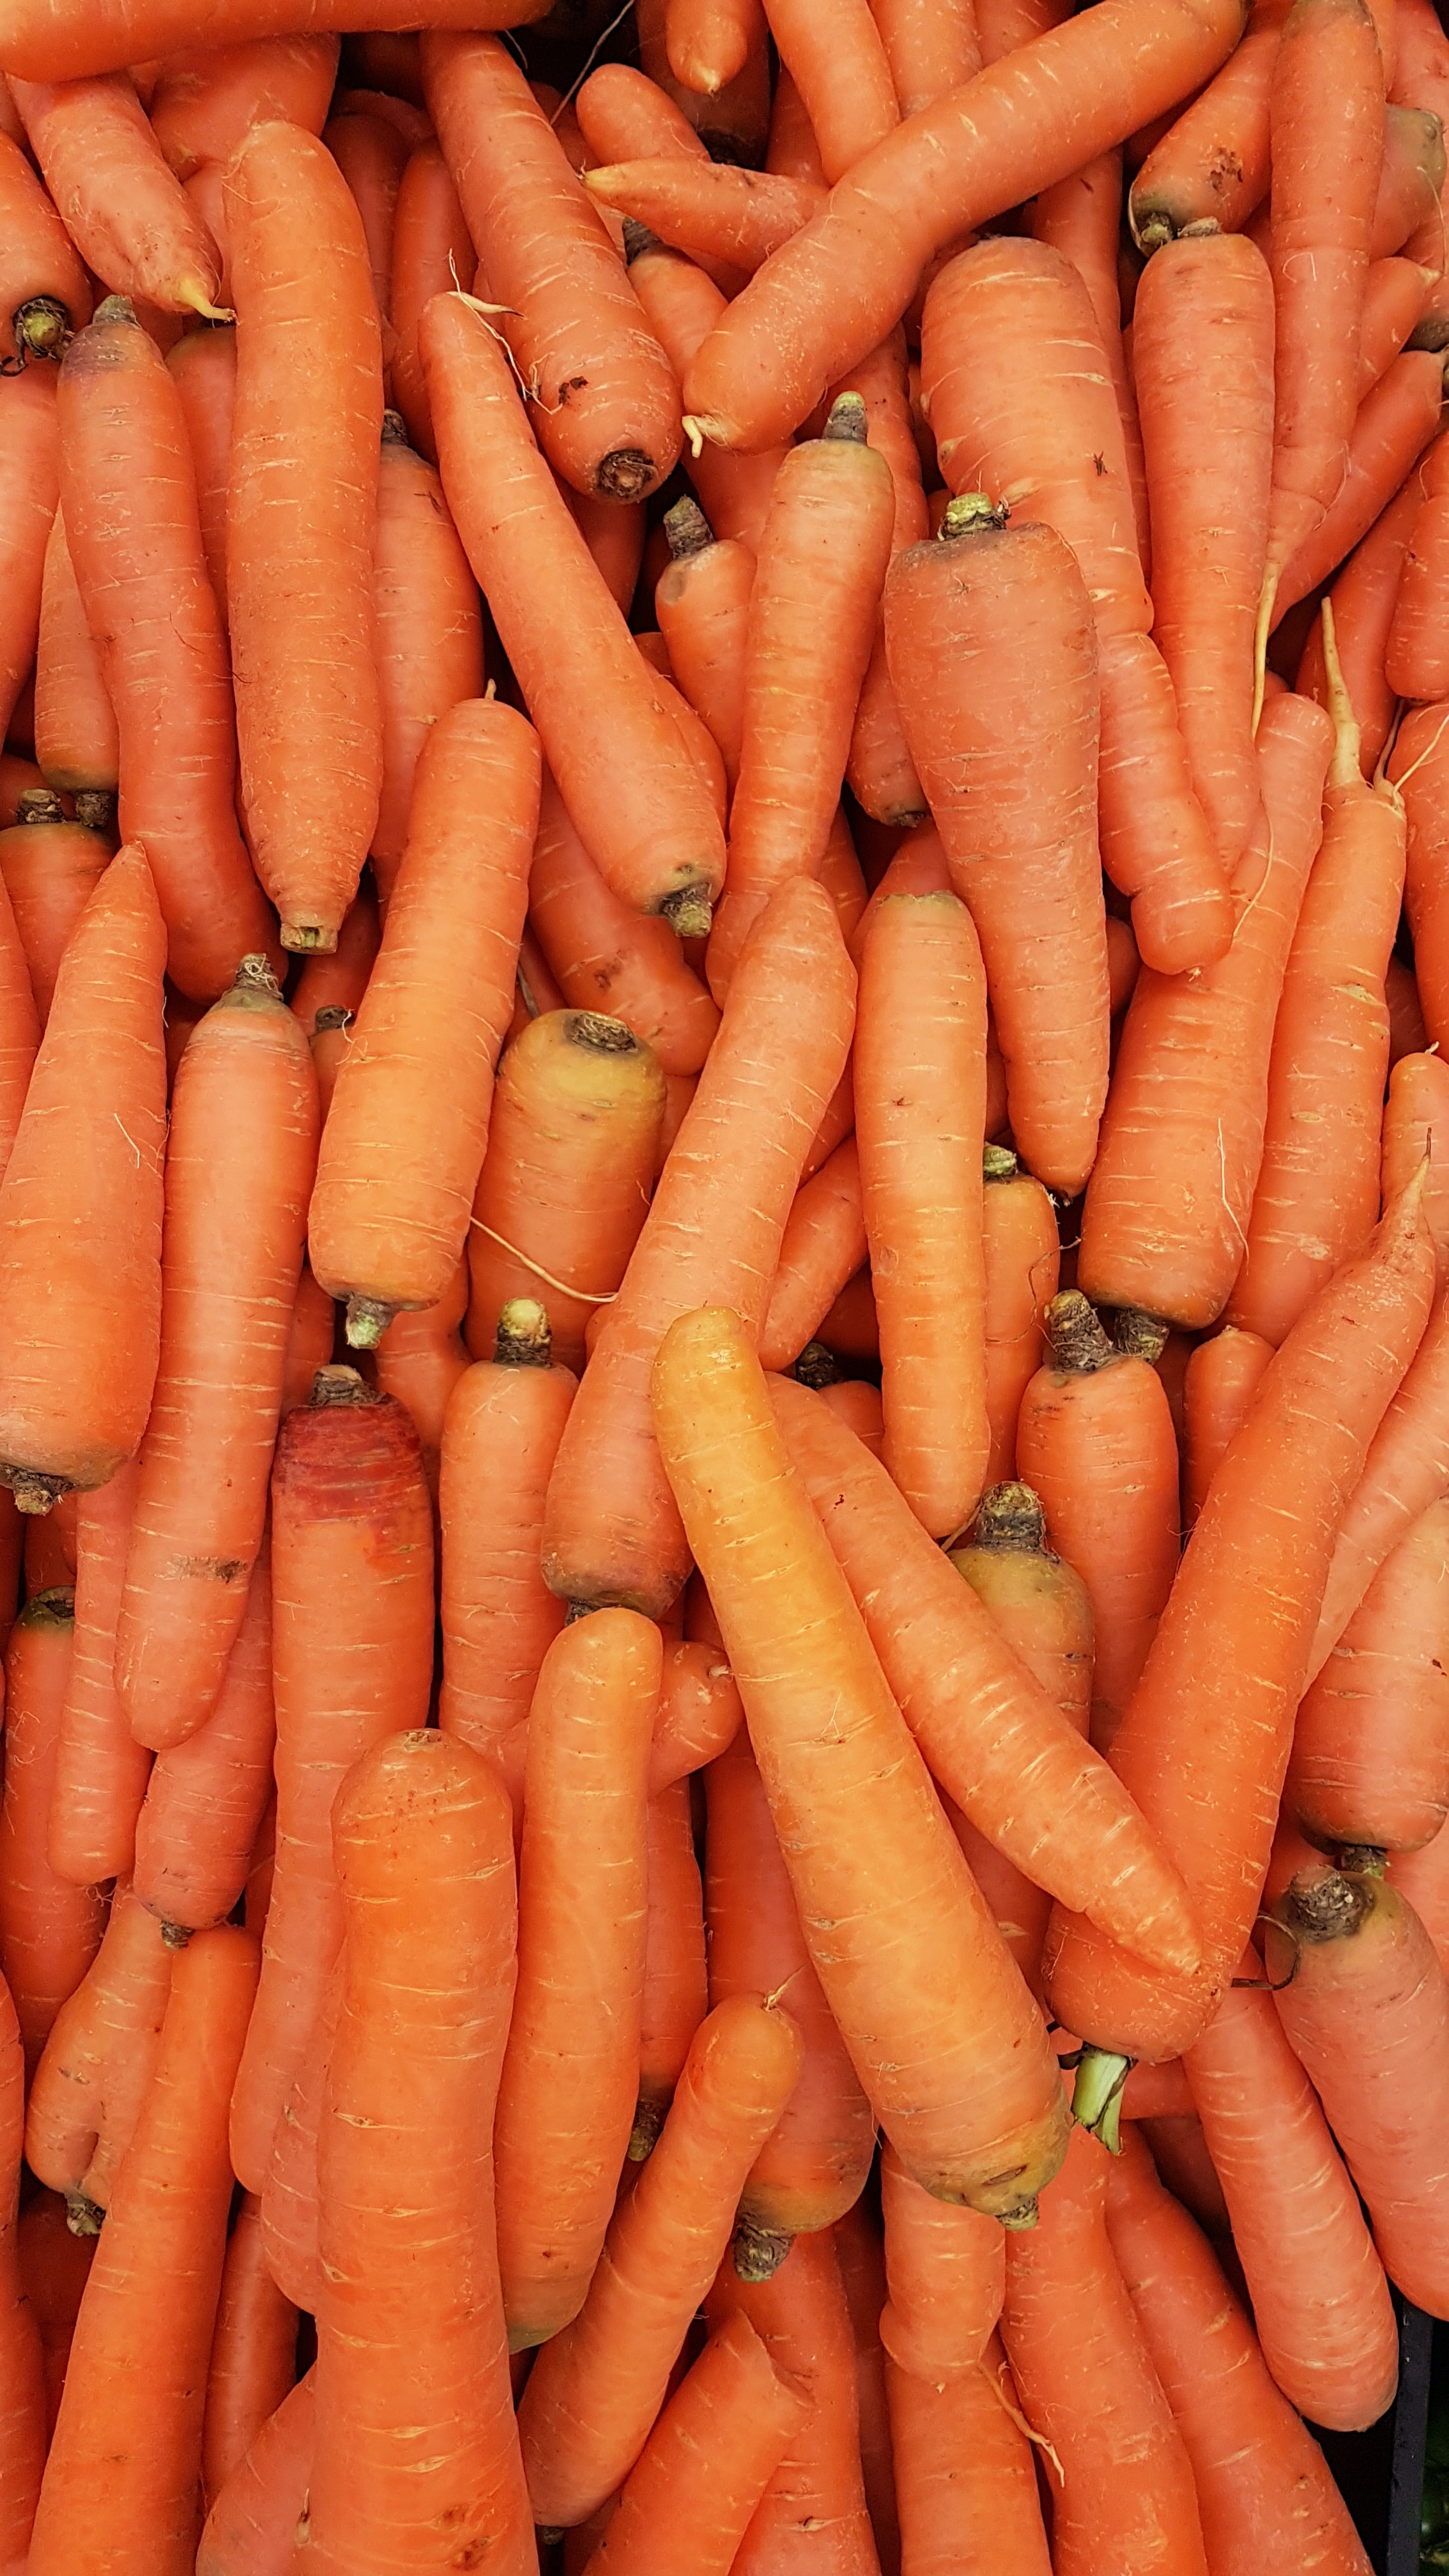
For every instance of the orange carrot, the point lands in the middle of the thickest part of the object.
(23, 2429)
(1416, 1125)
(51, 868)
(206, 102)
(372, 155)
(1022, 1256)
(838, 64)
(121, 205)
(1210, 169)
(1220, 1388)
(711, 210)
(625, 116)
(566, 1179)
(309, 1341)
(1393, 425)
(288, 2200)
(1416, 663)
(1201, 1151)
(1363, 599)
(965, 2477)
(253, 2523)
(1040, 1605)
(1082, 218)
(652, 832)
(389, 1213)
(699, 1713)
(340, 975)
(570, 2080)
(595, 2390)
(682, 305)
(253, 2355)
(714, 2449)
(432, 250)
(803, 2316)
(29, 491)
(101, 1772)
(813, 2166)
(145, 2326)
(823, 1246)
(206, 1797)
(702, 604)
(420, 1361)
(731, 122)
(676, 1984)
(352, 1609)
(429, 632)
(203, 369)
(95, 2070)
(44, 292)
(946, 2270)
(880, 771)
(1371, 1742)
(709, 41)
(1393, 301)
(54, 2266)
(76, 741)
(931, 49)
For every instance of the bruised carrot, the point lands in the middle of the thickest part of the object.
(51, 868)
(101, 1771)
(76, 742)
(675, 1994)
(1219, 1390)
(429, 632)
(1394, 423)
(123, 208)
(205, 1797)
(44, 292)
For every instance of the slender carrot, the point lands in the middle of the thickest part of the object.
(1371, 1743)
(121, 205)
(49, 1928)
(731, 122)
(23, 2429)
(309, 1341)
(432, 250)
(565, 1182)
(880, 770)
(252, 2524)
(676, 1982)
(420, 1361)
(206, 1797)
(714, 2449)
(372, 155)
(145, 2325)
(76, 742)
(823, 1246)
(1022, 1256)
(1363, 599)
(389, 1213)
(570, 2080)
(206, 102)
(608, 957)
(1205, 1740)
(1394, 296)
(1082, 218)
(352, 1608)
(1211, 167)
(429, 632)
(1416, 659)
(203, 368)
(51, 868)
(708, 209)
(652, 830)
(965, 2477)
(1417, 767)
(1407, 1469)
(682, 305)
(253, 2354)
(29, 491)
(44, 291)
(595, 2390)
(95, 2070)
(54, 2266)
(946, 2271)
(709, 41)
(1219, 1390)
(288, 2199)
(340, 975)
(100, 1772)
(1416, 1125)
(1393, 425)
(702, 604)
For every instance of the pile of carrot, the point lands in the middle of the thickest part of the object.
(724, 1281)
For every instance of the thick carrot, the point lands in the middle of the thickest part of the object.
(1032, 119)
(1371, 1742)
(54, 2266)
(1205, 1741)
(206, 102)
(977, 622)
(121, 205)
(1393, 425)
(570, 2081)
(1269, 2506)
(240, 1160)
(823, 1246)
(1198, 1152)
(714, 2449)
(1219, 1389)
(352, 1609)
(29, 491)
(612, 1530)
(1095, 1440)
(1416, 659)
(51, 868)
(1082, 218)
(676, 1982)
(252, 2525)
(389, 1213)
(420, 1361)
(608, 957)
(205, 1798)
(813, 2166)
(565, 1182)
(702, 603)
(594, 2392)
(709, 209)
(253, 2354)
(203, 368)
(965, 2475)
(651, 829)
(96, 2067)
(141, 31)
(946, 2272)
(605, 401)
(414, 2416)
(682, 306)
(1363, 599)
(113, 2492)
(44, 291)
(101, 1772)
(76, 742)
(300, 527)
(429, 632)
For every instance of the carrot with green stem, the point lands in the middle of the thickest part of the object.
(429, 632)
(715, 2447)
(1082, 218)
(352, 1611)
(1210, 170)
(1205, 1741)
(101, 1772)
(675, 1994)
(702, 602)
(1393, 425)
(206, 1797)
(76, 742)
(123, 208)
(29, 491)
(51, 868)
(595, 2390)
(44, 290)
(1370, 1762)
(206, 102)
(253, 2354)
(682, 306)
(253, 2522)
(823, 1246)
(977, 622)
(95, 2070)
(1219, 1389)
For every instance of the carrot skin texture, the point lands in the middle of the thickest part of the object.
(301, 521)
(51, 869)
(431, 247)
(101, 1771)
(124, 210)
(29, 492)
(1219, 1389)
(823, 1246)
(146, 2320)
(682, 305)
(95, 2071)
(946, 2279)
(205, 1798)
(612, 1530)
(1212, 164)
(253, 2355)
(415, 2428)
(39, 261)
(608, 957)
(76, 742)
(1204, 1744)
(252, 2525)
(1371, 1741)
(655, 834)
(1021, 1252)
(206, 102)
(714, 2448)
(203, 369)
(1394, 423)
(106, 43)
(965, 2477)
(429, 635)
(676, 1983)
(23, 2429)
(1405, 1471)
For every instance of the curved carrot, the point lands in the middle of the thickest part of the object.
(595, 2390)
(203, 369)
(1264, 2491)
(300, 527)
(389, 1213)
(682, 306)
(429, 632)
(51, 868)
(1041, 1606)
(1363, 598)
(29, 490)
(1219, 1390)
(1394, 423)
(252, 2524)
(44, 291)
(124, 210)
(652, 831)
(239, 1165)
(1211, 167)
(676, 1983)
(702, 603)
(709, 209)
(205, 103)
(76, 742)
(1371, 1742)
(352, 1610)
(1416, 659)
(1200, 1151)
(965, 2473)
(946, 2274)
(822, 1248)
(96, 2067)
(838, 64)
(813, 2166)
(803, 2315)
(206, 1797)
(566, 1179)
(1082, 218)
(714, 2449)
(1205, 1741)
(699, 1713)
(100, 1770)
(253, 2354)
(570, 2080)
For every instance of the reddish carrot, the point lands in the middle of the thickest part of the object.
(96, 2068)
(624, 116)
(731, 122)
(51, 868)
(1082, 218)
(946, 2270)
(253, 2354)
(29, 491)
(76, 742)
(44, 291)
(340, 975)
(682, 306)
(714, 2449)
(203, 368)
(432, 250)
(253, 2523)
(702, 604)
(965, 2477)
(101, 1771)
(420, 1361)
(121, 206)
(54, 2266)
(1394, 424)
(429, 632)
(1416, 661)
(1022, 1254)
(49, 1929)
(1370, 1760)
(1416, 1125)
(1219, 1391)
(372, 155)
(288, 2200)
(1363, 599)
(23, 2430)
(676, 1984)
(699, 1712)
(711, 210)
(206, 102)
(1407, 1469)
(205, 1798)
(309, 1341)
(608, 957)
(1211, 167)
(823, 1246)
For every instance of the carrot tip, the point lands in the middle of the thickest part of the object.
(367, 1320)
(193, 297)
(308, 938)
(1097, 2095)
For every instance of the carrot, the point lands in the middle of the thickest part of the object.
(1021, 1253)
(653, 834)
(1095, 1441)
(76, 741)
(1363, 599)
(253, 2522)
(23, 2430)
(389, 1214)
(203, 368)
(709, 41)
(29, 490)
(120, 204)
(964, 2473)
(570, 2077)
(1002, 426)
(946, 2271)
(823, 1246)
(699, 1713)
(301, 528)
(100, 1770)
(1200, 1153)
(614, 532)
(309, 1341)
(240, 1159)
(1371, 1744)
(1082, 218)
(594, 2392)
(919, 1058)
(1012, 601)
(1416, 1125)
(1394, 296)
(802, 2315)
(1364, 2008)
(676, 1984)
(331, 1044)
(1220, 1388)
(429, 632)
(96, 2067)
(420, 1361)
(54, 2266)
(1041, 1606)
(838, 64)
(714, 2449)
(1264, 2491)
(432, 250)
(731, 122)
(709, 209)
(930, 49)
(205, 1798)
(879, 769)
(792, 150)
(1211, 167)
(1393, 425)
(1316, 1202)
(51, 868)
(352, 1609)
(142, 31)
(340, 975)
(702, 604)
(1034, 118)
(115, 2489)
(814, 2165)
(1205, 1741)
(1416, 765)
(606, 405)
(624, 116)
(207, 102)
(253, 2355)
(612, 1529)
(682, 305)
(1325, 179)
(1411, 177)
(372, 155)
(288, 2200)
(566, 1179)
(1407, 1469)
(1416, 659)
(44, 291)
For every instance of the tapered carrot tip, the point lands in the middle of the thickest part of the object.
(190, 293)
(759, 2251)
(688, 912)
(43, 328)
(309, 938)
(523, 1339)
(367, 1320)
(1097, 2095)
